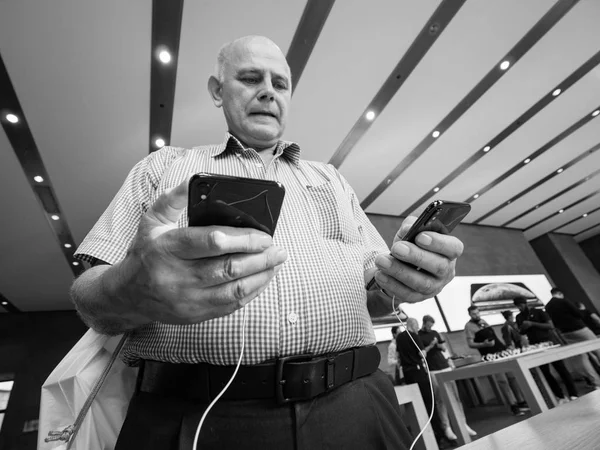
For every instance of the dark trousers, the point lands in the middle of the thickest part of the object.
(420, 377)
(564, 374)
(362, 414)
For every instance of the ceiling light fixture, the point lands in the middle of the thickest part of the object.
(38, 178)
(436, 189)
(560, 170)
(585, 215)
(595, 113)
(370, 115)
(165, 57)
(12, 118)
(486, 149)
(560, 211)
(68, 246)
(505, 65)
(527, 161)
(160, 142)
(54, 217)
(476, 196)
(435, 134)
(4, 303)
(556, 92)
(75, 263)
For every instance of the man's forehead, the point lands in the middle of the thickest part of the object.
(256, 53)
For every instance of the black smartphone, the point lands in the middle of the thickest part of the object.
(440, 216)
(234, 202)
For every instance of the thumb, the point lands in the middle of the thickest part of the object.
(168, 207)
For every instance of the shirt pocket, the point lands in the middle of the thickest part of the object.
(334, 212)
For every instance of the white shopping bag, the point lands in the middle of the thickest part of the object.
(69, 386)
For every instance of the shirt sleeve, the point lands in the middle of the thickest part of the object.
(114, 231)
(373, 243)
(439, 338)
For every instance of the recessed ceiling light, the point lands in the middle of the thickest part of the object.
(560, 170)
(388, 181)
(435, 134)
(527, 161)
(38, 178)
(4, 303)
(585, 215)
(164, 56)
(595, 113)
(560, 211)
(508, 202)
(556, 92)
(476, 195)
(68, 246)
(12, 118)
(370, 115)
(487, 148)
(436, 189)
(160, 142)
(75, 263)
(505, 65)
(537, 206)
(54, 217)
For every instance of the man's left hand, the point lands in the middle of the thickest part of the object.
(434, 253)
(526, 325)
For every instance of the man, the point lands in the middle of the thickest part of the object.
(393, 357)
(568, 319)
(437, 362)
(591, 319)
(410, 350)
(481, 336)
(536, 324)
(510, 331)
(309, 373)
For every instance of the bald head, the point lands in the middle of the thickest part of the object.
(243, 44)
(412, 325)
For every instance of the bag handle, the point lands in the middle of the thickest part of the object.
(69, 433)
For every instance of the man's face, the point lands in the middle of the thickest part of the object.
(559, 295)
(510, 318)
(412, 325)
(256, 93)
(475, 314)
(521, 306)
(427, 325)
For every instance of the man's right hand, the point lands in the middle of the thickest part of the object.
(488, 343)
(190, 275)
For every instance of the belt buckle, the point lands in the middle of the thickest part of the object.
(280, 383)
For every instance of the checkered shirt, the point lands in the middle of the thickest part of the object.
(317, 302)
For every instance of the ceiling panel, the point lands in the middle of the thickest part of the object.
(559, 115)
(81, 71)
(35, 276)
(337, 84)
(570, 176)
(196, 121)
(583, 222)
(566, 46)
(560, 219)
(474, 42)
(591, 232)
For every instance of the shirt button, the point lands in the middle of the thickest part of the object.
(292, 318)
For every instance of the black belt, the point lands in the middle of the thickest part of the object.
(287, 379)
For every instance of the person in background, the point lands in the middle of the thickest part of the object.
(569, 320)
(591, 319)
(510, 331)
(437, 362)
(393, 357)
(410, 352)
(536, 324)
(482, 337)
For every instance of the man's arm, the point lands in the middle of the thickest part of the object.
(595, 318)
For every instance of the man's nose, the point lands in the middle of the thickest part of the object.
(267, 93)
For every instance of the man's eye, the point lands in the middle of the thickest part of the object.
(250, 80)
(281, 86)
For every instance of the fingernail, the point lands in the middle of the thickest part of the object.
(381, 277)
(281, 254)
(383, 262)
(424, 239)
(265, 240)
(401, 249)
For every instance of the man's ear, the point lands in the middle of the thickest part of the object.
(215, 90)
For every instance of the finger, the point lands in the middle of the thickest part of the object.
(404, 227)
(205, 242)
(449, 246)
(168, 207)
(224, 269)
(398, 289)
(435, 264)
(418, 280)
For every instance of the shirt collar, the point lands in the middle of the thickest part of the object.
(287, 149)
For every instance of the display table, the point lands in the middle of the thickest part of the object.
(572, 426)
(410, 395)
(520, 366)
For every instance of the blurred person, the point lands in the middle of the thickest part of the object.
(591, 319)
(392, 357)
(438, 362)
(182, 292)
(569, 320)
(536, 324)
(510, 331)
(481, 336)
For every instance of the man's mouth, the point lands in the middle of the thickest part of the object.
(263, 113)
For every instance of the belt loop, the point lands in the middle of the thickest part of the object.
(330, 372)
(354, 363)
